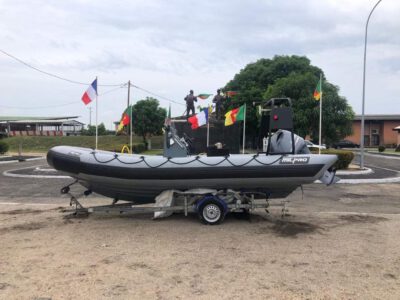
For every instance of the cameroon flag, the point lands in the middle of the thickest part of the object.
(318, 91)
(204, 96)
(236, 114)
(125, 119)
(231, 93)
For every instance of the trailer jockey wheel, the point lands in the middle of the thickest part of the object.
(211, 210)
(65, 190)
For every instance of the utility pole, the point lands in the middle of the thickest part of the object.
(130, 117)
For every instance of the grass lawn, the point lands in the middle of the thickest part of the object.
(38, 144)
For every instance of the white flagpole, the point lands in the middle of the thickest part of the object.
(320, 115)
(96, 113)
(208, 131)
(244, 127)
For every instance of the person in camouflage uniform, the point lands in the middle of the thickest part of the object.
(219, 102)
(190, 100)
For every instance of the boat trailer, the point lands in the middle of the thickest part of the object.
(211, 206)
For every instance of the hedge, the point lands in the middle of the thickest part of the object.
(3, 147)
(344, 157)
(137, 148)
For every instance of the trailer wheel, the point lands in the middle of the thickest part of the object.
(211, 211)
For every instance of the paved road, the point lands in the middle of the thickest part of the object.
(36, 189)
(383, 166)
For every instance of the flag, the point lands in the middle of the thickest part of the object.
(231, 93)
(167, 121)
(199, 119)
(236, 114)
(204, 96)
(90, 93)
(125, 119)
(318, 91)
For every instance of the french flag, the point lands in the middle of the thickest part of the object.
(199, 119)
(90, 93)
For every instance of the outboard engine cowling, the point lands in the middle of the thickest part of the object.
(281, 142)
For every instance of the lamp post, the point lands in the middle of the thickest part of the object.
(363, 92)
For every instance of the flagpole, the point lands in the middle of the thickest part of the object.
(208, 130)
(244, 127)
(96, 115)
(130, 117)
(320, 115)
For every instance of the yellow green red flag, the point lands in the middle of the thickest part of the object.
(318, 91)
(234, 115)
(125, 119)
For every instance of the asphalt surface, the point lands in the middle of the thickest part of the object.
(383, 166)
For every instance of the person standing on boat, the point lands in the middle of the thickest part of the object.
(190, 100)
(218, 100)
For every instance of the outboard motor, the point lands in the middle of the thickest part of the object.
(281, 142)
(280, 127)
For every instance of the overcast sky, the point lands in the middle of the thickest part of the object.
(170, 47)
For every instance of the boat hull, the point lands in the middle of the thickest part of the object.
(141, 178)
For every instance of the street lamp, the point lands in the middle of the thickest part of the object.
(363, 92)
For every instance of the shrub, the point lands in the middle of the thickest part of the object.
(313, 149)
(381, 148)
(138, 148)
(3, 147)
(398, 148)
(344, 157)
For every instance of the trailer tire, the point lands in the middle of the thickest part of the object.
(211, 211)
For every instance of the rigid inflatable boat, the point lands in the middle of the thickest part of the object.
(140, 178)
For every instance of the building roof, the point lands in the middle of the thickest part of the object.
(26, 118)
(38, 121)
(378, 117)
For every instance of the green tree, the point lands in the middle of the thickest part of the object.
(91, 130)
(148, 118)
(337, 115)
(294, 77)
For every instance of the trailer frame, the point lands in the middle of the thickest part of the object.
(239, 202)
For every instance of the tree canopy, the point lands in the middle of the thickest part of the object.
(296, 78)
(147, 118)
(91, 130)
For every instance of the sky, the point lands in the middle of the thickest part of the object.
(170, 47)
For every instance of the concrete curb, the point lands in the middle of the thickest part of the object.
(365, 181)
(386, 155)
(348, 172)
(370, 180)
(9, 173)
(17, 161)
